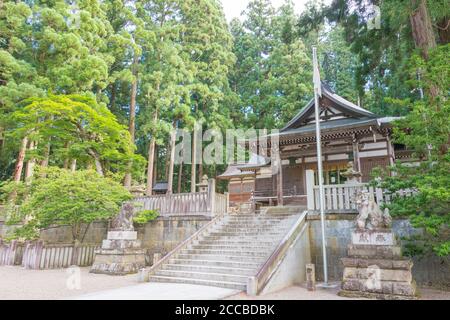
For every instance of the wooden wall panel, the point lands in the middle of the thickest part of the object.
(367, 164)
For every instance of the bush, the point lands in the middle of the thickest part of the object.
(145, 216)
(62, 197)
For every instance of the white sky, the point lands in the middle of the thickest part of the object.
(233, 8)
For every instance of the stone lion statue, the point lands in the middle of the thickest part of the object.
(370, 215)
(124, 220)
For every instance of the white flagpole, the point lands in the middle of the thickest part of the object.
(317, 93)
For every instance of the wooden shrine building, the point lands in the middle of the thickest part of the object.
(349, 133)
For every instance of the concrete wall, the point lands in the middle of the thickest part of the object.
(430, 271)
(292, 268)
(165, 233)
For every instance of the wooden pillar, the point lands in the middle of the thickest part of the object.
(390, 150)
(280, 183)
(356, 160)
(212, 196)
(242, 190)
(310, 189)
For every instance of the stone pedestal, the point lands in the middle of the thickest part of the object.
(375, 267)
(121, 254)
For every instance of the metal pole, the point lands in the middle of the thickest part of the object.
(320, 174)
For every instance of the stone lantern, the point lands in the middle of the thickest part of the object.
(353, 176)
(203, 185)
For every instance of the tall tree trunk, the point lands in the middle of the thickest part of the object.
(151, 160)
(180, 177)
(422, 29)
(73, 165)
(44, 162)
(194, 162)
(423, 34)
(98, 163)
(20, 158)
(173, 136)
(30, 163)
(150, 166)
(155, 165)
(66, 160)
(166, 171)
(132, 123)
(112, 103)
(443, 27)
(2, 139)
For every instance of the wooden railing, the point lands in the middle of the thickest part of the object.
(257, 283)
(341, 197)
(177, 204)
(10, 253)
(37, 255)
(221, 203)
(208, 203)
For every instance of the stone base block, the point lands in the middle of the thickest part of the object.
(122, 235)
(377, 274)
(121, 244)
(118, 261)
(370, 251)
(398, 264)
(371, 295)
(402, 288)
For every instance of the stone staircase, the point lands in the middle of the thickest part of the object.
(228, 252)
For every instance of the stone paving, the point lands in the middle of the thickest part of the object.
(19, 283)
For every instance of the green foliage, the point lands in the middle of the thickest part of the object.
(62, 197)
(272, 76)
(78, 128)
(426, 130)
(145, 216)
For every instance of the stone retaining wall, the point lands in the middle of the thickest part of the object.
(430, 271)
(158, 236)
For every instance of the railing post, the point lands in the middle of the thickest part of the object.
(212, 195)
(310, 189)
(227, 202)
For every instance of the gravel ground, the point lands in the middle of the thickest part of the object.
(19, 283)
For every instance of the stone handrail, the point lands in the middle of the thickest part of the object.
(178, 248)
(257, 283)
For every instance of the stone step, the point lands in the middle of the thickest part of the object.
(213, 246)
(211, 269)
(256, 219)
(216, 263)
(217, 257)
(238, 234)
(221, 284)
(202, 275)
(234, 242)
(245, 253)
(250, 231)
(246, 238)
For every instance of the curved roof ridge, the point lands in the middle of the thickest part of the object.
(344, 103)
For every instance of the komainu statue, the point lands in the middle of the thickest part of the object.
(124, 220)
(370, 215)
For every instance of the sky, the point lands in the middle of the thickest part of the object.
(233, 8)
